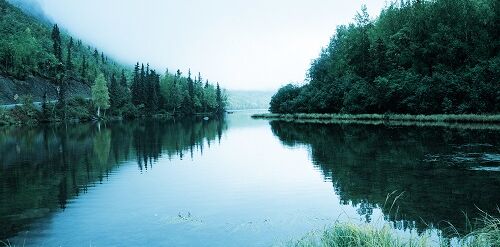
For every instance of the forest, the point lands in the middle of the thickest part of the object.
(416, 57)
(32, 48)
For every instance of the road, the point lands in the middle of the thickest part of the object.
(38, 105)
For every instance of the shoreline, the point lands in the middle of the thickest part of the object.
(437, 118)
(470, 122)
(350, 234)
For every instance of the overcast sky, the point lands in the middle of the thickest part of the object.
(257, 44)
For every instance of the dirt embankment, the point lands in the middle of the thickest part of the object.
(36, 87)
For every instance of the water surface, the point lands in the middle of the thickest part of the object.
(237, 181)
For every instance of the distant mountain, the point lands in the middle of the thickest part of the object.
(240, 100)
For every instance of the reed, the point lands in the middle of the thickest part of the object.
(366, 235)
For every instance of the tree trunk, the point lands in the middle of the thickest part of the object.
(98, 111)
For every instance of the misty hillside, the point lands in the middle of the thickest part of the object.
(33, 8)
(240, 100)
(26, 51)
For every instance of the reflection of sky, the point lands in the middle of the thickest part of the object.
(247, 190)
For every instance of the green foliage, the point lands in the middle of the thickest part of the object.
(29, 47)
(100, 94)
(185, 96)
(5, 118)
(417, 57)
(26, 113)
(348, 234)
(282, 101)
(80, 109)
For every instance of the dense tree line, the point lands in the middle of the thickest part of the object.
(417, 57)
(30, 48)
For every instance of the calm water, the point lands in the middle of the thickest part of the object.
(237, 182)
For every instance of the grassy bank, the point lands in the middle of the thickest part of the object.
(462, 118)
(345, 235)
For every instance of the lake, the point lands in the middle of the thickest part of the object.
(238, 181)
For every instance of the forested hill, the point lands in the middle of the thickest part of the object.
(417, 57)
(26, 49)
(28, 64)
(39, 59)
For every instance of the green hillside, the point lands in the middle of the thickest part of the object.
(37, 56)
(26, 48)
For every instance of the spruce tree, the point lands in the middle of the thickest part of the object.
(59, 69)
(69, 62)
(96, 56)
(114, 94)
(83, 69)
(220, 103)
(142, 86)
(135, 87)
(124, 88)
(56, 39)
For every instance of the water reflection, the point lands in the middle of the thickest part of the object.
(442, 175)
(43, 168)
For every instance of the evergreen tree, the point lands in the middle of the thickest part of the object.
(69, 61)
(59, 70)
(96, 56)
(56, 41)
(219, 100)
(83, 68)
(135, 87)
(114, 93)
(142, 86)
(124, 88)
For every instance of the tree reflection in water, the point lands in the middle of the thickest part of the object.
(42, 168)
(430, 166)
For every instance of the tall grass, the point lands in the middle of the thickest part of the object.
(366, 235)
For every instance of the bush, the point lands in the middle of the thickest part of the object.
(26, 113)
(79, 108)
(5, 118)
(281, 102)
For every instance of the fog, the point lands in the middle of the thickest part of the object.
(258, 44)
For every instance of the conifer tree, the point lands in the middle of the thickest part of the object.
(69, 62)
(135, 87)
(56, 39)
(114, 93)
(96, 56)
(219, 100)
(83, 69)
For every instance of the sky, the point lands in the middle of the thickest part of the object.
(243, 45)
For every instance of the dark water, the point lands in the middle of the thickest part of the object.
(238, 181)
